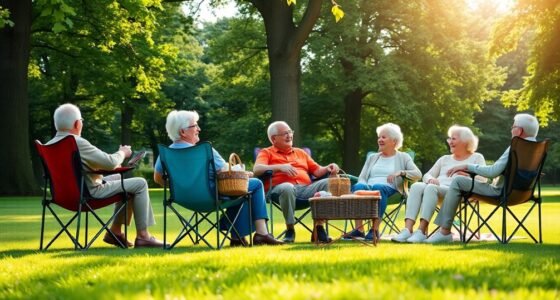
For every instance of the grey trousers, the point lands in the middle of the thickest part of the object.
(425, 197)
(453, 198)
(288, 193)
(141, 205)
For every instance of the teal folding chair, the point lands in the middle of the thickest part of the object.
(390, 217)
(188, 174)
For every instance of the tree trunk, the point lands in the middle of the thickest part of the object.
(351, 161)
(127, 113)
(16, 175)
(284, 43)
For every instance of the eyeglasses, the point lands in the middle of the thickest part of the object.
(515, 126)
(195, 125)
(286, 134)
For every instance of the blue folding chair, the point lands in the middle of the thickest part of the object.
(187, 173)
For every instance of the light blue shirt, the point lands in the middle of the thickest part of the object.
(495, 170)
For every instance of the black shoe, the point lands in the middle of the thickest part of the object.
(238, 242)
(321, 235)
(265, 239)
(290, 236)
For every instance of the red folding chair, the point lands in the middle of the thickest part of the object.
(64, 176)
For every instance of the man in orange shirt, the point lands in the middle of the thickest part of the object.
(290, 178)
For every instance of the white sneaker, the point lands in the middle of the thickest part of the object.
(417, 237)
(438, 237)
(402, 236)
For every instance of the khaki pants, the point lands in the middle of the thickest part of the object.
(141, 205)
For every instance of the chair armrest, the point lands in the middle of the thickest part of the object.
(119, 170)
(266, 175)
(353, 179)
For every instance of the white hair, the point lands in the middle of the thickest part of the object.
(529, 123)
(177, 120)
(273, 128)
(465, 135)
(65, 116)
(393, 131)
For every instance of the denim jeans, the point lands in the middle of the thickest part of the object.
(258, 207)
(385, 190)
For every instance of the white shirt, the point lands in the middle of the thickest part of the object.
(384, 167)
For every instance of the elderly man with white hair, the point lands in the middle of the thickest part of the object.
(183, 129)
(291, 167)
(425, 195)
(524, 126)
(68, 121)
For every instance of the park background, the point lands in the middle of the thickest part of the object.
(334, 71)
(424, 65)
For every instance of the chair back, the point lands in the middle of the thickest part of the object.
(62, 168)
(188, 171)
(523, 171)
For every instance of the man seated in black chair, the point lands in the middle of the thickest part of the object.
(68, 121)
(524, 126)
(291, 167)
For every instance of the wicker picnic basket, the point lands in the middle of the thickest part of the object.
(339, 185)
(344, 207)
(233, 183)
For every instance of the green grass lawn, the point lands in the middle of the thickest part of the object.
(346, 270)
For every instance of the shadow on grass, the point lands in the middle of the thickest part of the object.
(210, 274)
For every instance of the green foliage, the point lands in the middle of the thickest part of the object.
(520, 270)
(115, 59)
(540, 91)
(5, 18)
(413, 65)
(237, 97)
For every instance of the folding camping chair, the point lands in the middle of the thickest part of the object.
(398, 199)
(187, 174)
(302, 204)
(521, 181)
(64, 177)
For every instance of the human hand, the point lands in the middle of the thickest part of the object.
(433, 181)
(126, 150)
(456, 169)
(333, 169)
(288, 169)
(462, 173)
(250, 174)
(391, 178)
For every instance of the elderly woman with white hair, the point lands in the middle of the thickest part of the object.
(382, 171)
(426, 195)
(182, 128)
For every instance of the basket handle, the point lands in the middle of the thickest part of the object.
(233, 160)
(339, 175)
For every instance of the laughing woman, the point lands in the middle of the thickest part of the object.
(425, 195)
(383, 170)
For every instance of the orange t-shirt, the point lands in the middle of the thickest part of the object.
(297, 157)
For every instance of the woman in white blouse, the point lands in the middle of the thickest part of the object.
(383, 170)
(425, 195)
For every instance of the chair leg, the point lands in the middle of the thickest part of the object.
(86, 232)
(165, 224)
(42, 226)
(540, 224)
(78, 225)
